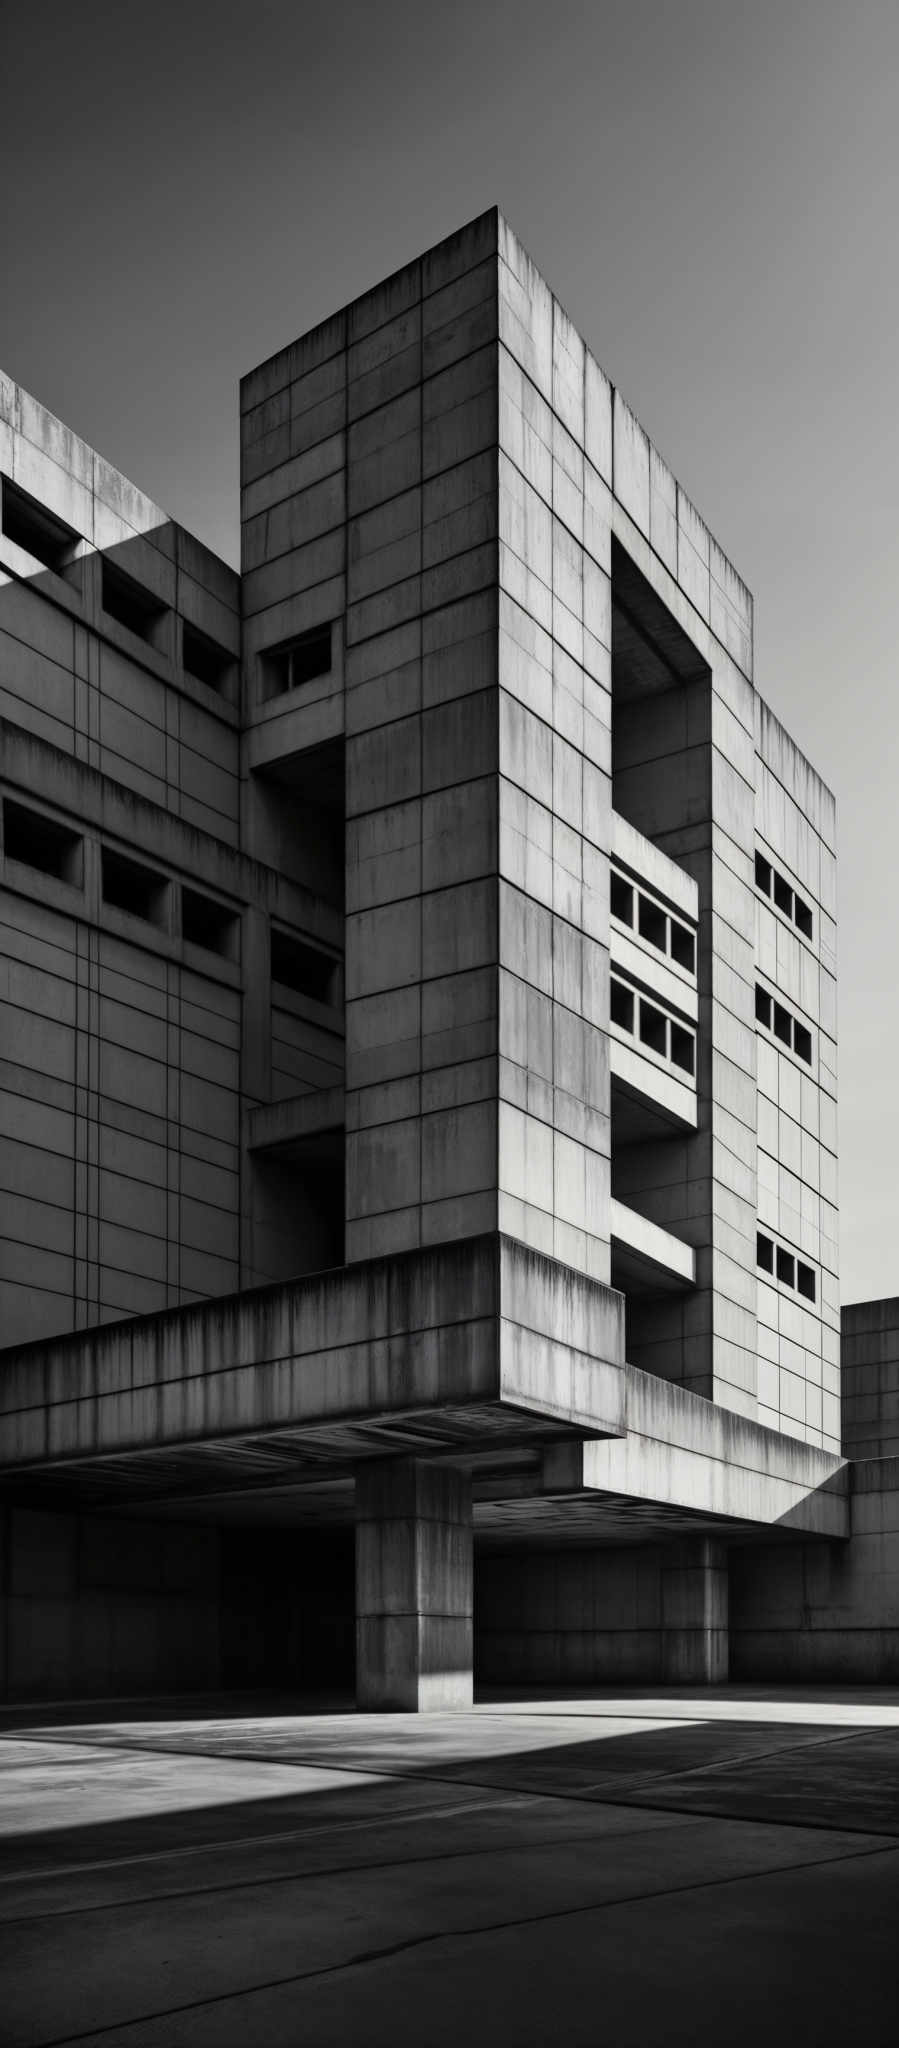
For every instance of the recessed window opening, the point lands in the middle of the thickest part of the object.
(805, 1280)
(802, 1042)
(298, 661)
(683, 1048)
(621, 899)
(802, 916)
(129, 886)
(785, 1267)
(787, 900)
(209, 924)
(30, 526)
(621, 1004)
(129, 603)
(304, 968)
(653, 924)
(633, 908)
(683, 946)
(205, 660)
(41, 843)
(787, 1028)
(782, 1022)
(653, 1028)
(783, 894)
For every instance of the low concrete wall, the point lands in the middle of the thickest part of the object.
(569, 1617)
(824, 1612)
(870, 1368)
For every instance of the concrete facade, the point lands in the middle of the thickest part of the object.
(418, 1011)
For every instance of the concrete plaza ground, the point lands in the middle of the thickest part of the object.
(627, 1869)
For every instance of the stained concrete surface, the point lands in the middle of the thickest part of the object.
(631, 1868)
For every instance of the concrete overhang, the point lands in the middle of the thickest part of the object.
(467, 1345)
(646, 1258)
(683, 1452)
(640, 1081)
(279, 1126)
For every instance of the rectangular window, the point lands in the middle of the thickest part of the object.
(786, 1267)
(764, 1253)
(202, 658)
(683, 946)
(30, 526)
(783, 1024)
(621, 1005)
(303, 968)
(298, 661)
(653, 924)
(783, 894)
(683, 1048)
(805, 1280)
(763, 1007)
(803, 917)
(41, 843)
(130, 604)
(209, 924)
(129, 886)
(653, 1028)
(763, 875)
(621, 899)
(802, 1042)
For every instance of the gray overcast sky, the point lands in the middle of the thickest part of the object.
(711, 188)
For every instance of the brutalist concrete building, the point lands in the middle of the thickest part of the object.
(418, 1037)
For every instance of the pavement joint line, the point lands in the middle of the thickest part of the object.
(336, 1870)
(575, 1796)
(399, 1948)
(622, 1781)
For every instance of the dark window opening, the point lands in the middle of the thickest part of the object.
(763, 875)
(41, 843)
(786, 1267)
(202, 658)
(128, 886)
(683, 946)
(30, 526)
(207, 923)
(621, 897)
(782, 1024)
(802, 1042)
(763, 1007)
(803, 917)
(130, 604)
(683, 1048)
(764, 1253)
(303, 968)
(783, 894)
(621, 1003)
(805, 1280)
(653, 1028)
(298, 661)
(653, 924)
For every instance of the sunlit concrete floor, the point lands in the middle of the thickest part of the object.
(640, 1869)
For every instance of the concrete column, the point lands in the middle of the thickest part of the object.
(414, 1634)
(694, 1613)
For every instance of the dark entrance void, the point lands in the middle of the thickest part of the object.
(288, 1609)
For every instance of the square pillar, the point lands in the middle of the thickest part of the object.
(694, 1613)
(414, 1628)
